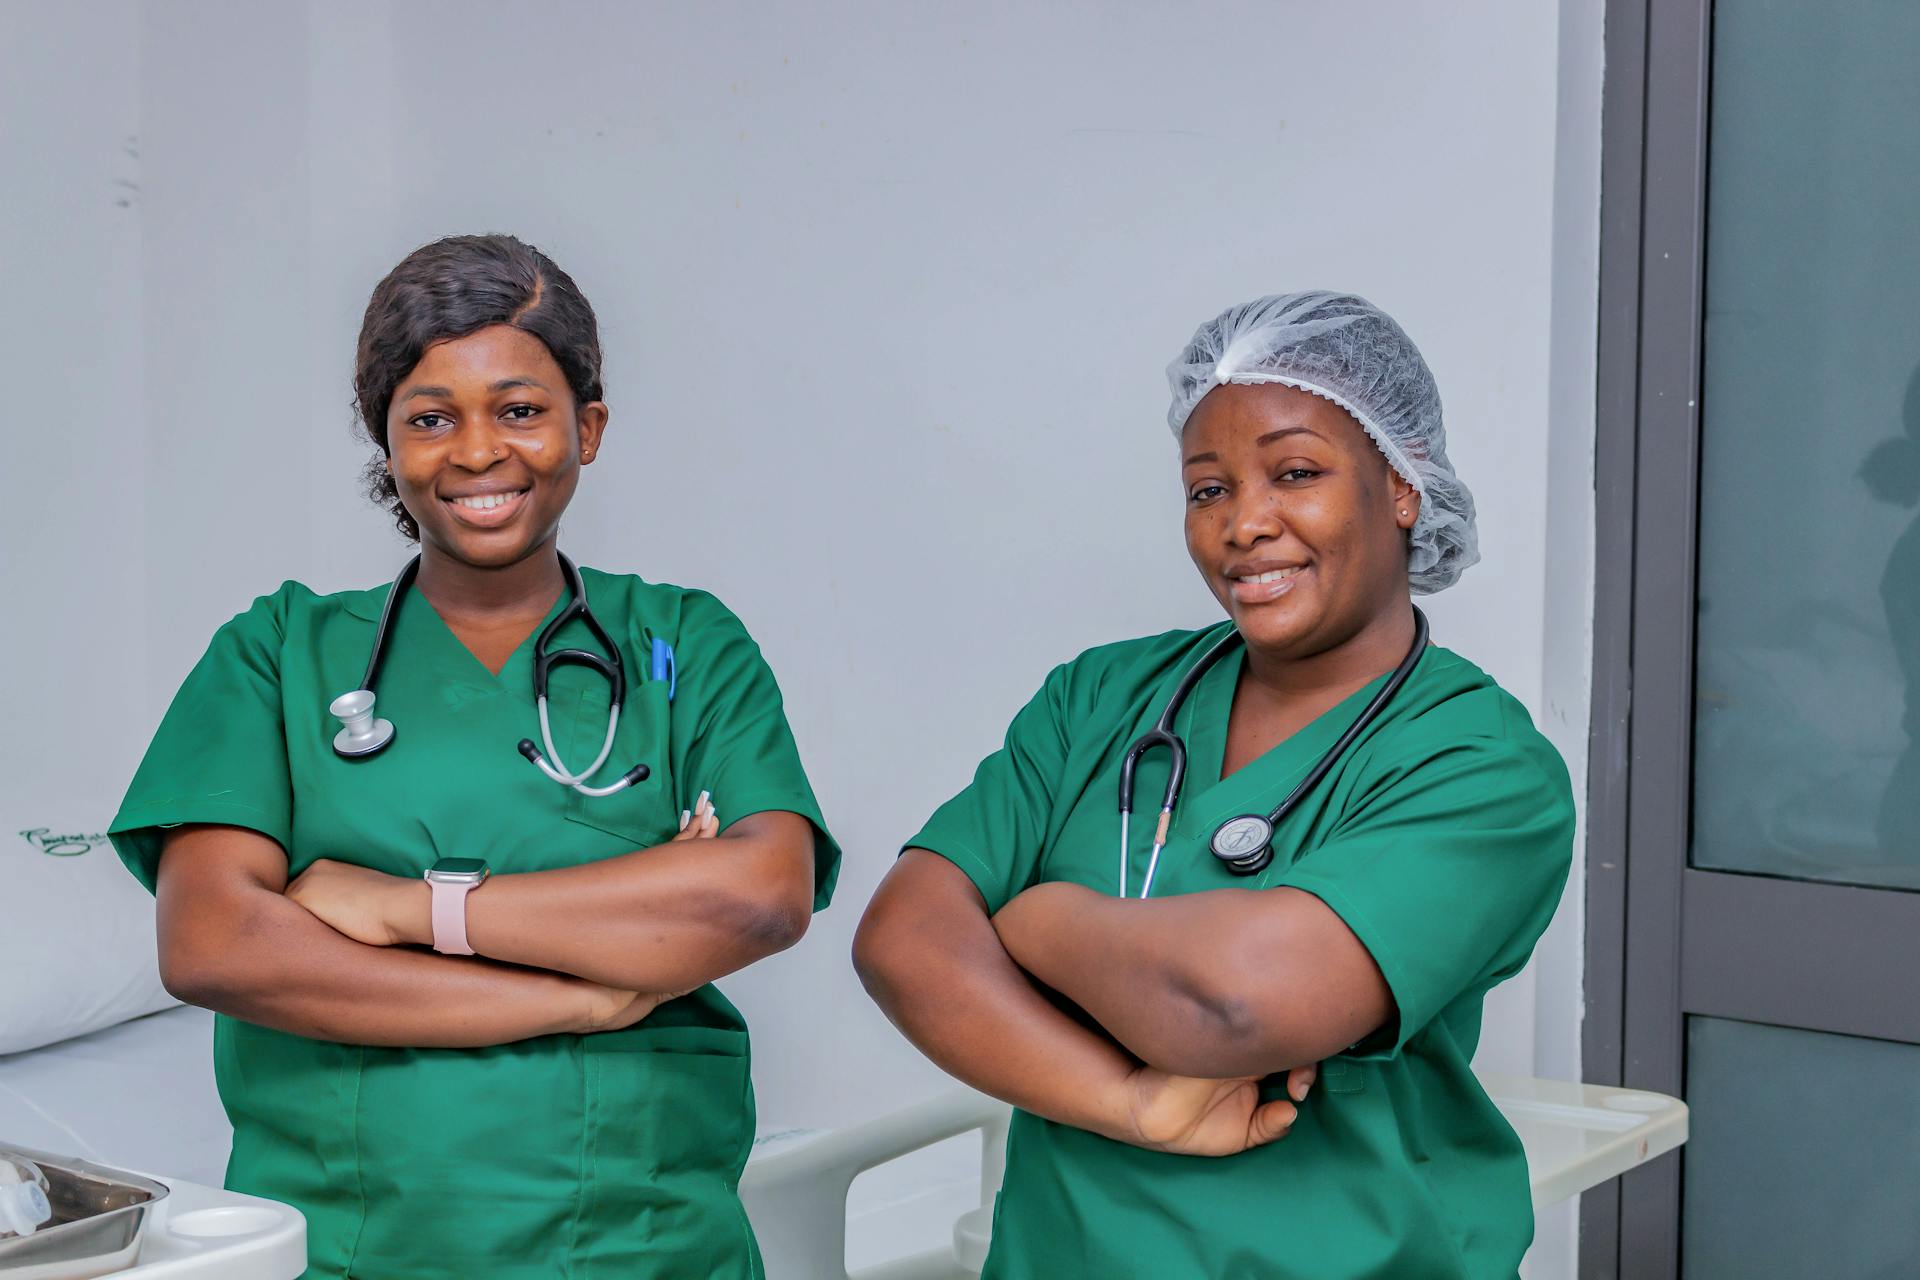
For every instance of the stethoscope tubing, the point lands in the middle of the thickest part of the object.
(1256, 859)
(1162, 735)
(384, 627)
(557, 769)
(544, 661)
(1367, 716)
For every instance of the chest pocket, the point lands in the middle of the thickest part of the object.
(648, 812)
(1338, 1075)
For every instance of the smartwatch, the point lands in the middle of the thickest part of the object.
(451, 880)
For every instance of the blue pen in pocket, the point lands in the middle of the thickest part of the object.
(664, 667)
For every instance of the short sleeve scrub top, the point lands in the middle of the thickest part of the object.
(610, 1154)
(1442, 838)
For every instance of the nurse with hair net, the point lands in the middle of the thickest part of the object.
(1159, 996)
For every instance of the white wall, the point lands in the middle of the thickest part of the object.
(1564, 710)
(886, 292)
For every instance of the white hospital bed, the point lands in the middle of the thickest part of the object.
(1576, 1136)
(141, 1096)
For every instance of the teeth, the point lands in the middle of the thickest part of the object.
(487, 501)
(1272, 575)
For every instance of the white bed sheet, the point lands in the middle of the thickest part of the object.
(139, 1095)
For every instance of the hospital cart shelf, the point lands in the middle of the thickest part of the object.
(1576, 1136)
(206, 1234)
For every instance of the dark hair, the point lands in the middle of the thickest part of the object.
(449, 289)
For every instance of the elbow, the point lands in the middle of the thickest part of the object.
(1244, 1040)
(184, 979)
(1232, 1031)
(773, 926)
(201, 975)
(778, 914)
(869, 951)
(876, 952)
(215, 958)
(772, 916)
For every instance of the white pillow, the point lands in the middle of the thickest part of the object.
(76, 937)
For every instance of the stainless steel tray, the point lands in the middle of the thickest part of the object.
(99, 1218)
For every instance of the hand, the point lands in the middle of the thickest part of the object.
(368, 906)
(1188, 1116)
(701, 823)
(1301, 1079)
(611, 1009)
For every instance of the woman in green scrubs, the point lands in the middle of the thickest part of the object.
(573, 1098)
(1147, 1044)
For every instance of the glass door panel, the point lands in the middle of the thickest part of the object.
(1803, 1158)
(1807, 679)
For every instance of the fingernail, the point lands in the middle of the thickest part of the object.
(685, 818)
(706, 800)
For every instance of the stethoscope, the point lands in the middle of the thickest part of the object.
(362, 735)
(1244, 843)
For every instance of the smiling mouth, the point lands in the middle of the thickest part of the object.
(1261, 588)
(1272, 575)
(487, 510)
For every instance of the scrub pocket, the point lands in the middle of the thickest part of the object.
(1338, 1075)
(292, 1103)
(644, 814)
(669, 1124)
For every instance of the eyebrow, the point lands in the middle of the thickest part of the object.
(1268, 438)
(505, 384)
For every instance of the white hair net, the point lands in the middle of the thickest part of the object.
(1344, 349)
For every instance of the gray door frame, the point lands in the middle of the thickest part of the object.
(1664, 940)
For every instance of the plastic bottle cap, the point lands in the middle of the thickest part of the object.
(23, 1207)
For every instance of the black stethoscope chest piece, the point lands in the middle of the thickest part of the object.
(1244, 843)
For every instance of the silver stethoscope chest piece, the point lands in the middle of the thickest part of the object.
(1243, 843)
(360, 734)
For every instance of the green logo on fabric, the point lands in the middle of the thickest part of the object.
(60, 844)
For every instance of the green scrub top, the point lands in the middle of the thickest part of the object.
(1442, 838)
(611, 1154)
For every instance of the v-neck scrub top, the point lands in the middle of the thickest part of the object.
(610, 1154)
(1442, 838)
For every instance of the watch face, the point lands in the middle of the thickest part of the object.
(458, 869)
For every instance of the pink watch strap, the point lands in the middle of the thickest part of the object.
(450, 917)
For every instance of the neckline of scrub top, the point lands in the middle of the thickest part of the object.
(1262, 782)
(418, 603)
